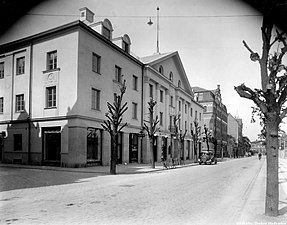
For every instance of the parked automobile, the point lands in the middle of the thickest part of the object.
(207, 157)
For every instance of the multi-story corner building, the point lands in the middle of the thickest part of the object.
(214, 116)
(54, 89)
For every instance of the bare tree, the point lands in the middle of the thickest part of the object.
(181, 146)
(232, 145)
(196, 134)
(176, 120)
(270, 100)
(114, 124)
(151, 129)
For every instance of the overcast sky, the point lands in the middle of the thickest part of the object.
(208, 35)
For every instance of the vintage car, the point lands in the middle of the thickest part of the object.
(207, 157)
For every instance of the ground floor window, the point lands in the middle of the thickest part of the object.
(94, 144)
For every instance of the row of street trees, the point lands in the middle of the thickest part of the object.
(114, 125)
(270, 101)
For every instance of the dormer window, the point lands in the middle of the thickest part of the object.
(179, 83)
(171, 76)
(107, 29)
(126, 47)
(106, 33)
(126, 43)
(160, 70)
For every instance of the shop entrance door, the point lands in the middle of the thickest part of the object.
(51, 145)
(155, 149)
(164, 148)
(133, 147)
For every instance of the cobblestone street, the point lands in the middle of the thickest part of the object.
(217, 194)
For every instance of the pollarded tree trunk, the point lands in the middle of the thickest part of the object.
(272, 189)
(151, 142)
(113, 161)
(152, 129)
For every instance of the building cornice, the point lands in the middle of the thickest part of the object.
(24, 42)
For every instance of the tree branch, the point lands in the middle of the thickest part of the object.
(246, 92)
(253, 55)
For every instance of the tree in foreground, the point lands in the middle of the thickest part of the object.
(151, 129)
(270, 100)
(114, 124)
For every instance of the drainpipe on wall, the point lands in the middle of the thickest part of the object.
(30, 103)
(12, 88)
(142, 112)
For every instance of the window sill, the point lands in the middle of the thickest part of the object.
(97, 72)
(52, 70)
(117, 82)
(97, 110)
(47, 108)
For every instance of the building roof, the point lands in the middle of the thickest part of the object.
(199, 89)
(23, 42)
(155, 58)
(160, 57)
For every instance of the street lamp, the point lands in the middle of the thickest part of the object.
(157, 30)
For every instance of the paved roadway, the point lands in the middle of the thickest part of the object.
(215, 194)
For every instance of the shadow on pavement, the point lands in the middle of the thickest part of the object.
(20, 178)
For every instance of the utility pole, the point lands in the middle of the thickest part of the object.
(157, 31)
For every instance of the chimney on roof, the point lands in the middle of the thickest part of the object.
(86, 15)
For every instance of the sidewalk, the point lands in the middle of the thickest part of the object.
(254, 207)
(132, 168)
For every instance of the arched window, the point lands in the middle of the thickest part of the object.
(160, 69)
(179, 83)
(107, 29)
(171, 76)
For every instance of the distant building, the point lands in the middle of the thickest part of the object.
(258, 146)
(214, 116)
(241, 142)
(233, 136)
